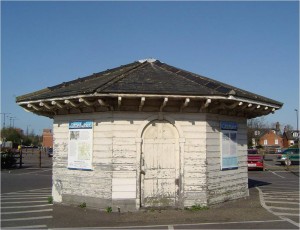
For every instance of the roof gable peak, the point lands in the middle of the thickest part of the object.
(150, 60)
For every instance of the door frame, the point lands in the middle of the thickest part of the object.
(139, 143)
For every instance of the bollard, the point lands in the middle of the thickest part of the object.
(21, 157)
(40, 158)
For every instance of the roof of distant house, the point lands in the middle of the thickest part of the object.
(291, 134)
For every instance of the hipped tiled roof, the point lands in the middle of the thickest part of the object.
(144, 77)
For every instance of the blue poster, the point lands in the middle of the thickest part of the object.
(80, 124)
(228, 125)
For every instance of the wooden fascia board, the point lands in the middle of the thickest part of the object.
(239, 103)
(249, 101)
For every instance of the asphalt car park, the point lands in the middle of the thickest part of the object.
(273, 204)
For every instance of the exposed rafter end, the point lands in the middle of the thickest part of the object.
(119, 102)
(43, 104)
(142, 103)
(57, 104)
(232, 106)
(87, 103)
(33, 106)
(163, 104)
(185, 104)
(28, 111)
(273, 110)
(70, 103)
(104, 104)
(205, 105)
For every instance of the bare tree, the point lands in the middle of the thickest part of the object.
(256, 126)
(288, 127)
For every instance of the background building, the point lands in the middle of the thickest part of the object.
(47, 138)
(290, 137)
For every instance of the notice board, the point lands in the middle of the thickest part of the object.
(229, 158)
(80, 151)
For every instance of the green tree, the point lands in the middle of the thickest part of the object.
(11, 134)
(17, 137)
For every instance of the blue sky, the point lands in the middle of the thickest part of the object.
(250, 45)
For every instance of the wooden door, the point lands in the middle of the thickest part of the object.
(160, 165)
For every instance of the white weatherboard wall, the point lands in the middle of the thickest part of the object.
(117, 144)
(228, 184)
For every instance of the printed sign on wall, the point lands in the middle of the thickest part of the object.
(80, 145)
(229, 158)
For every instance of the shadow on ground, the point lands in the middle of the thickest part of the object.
(256, 183)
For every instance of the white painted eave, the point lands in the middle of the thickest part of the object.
(112, 95)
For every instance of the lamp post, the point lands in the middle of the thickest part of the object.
(11, 121)
(4, 115)
(27, 130)
(297, 115)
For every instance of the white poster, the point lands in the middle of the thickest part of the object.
(229, 158)
(80, 145)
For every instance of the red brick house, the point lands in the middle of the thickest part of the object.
(290, 137)
(47, 138)
(271, 138)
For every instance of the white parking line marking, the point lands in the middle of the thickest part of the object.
(28, 218)
(271, 189)
(286, 214)
(283, 208)
(23, 202)
(31, 206)
(277, 198)
(289, 220)
(156, 226)
(33, 172)
(39, 189)
(263, 204)
(29, 193)
(23, 198)
(32, 211)
(27, 227)
(277, 175)
(280, 202)
(285, 193)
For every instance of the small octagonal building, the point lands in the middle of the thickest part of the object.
(148, 134)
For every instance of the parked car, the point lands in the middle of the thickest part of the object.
(50, 152)
(255, 160)
(288, 156)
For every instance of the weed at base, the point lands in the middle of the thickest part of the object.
(82, 205)
(108, 209)
(196, 207)
(50, 200)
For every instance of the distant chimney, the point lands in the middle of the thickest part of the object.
(277, 127)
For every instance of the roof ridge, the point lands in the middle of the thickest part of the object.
(119, 77)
